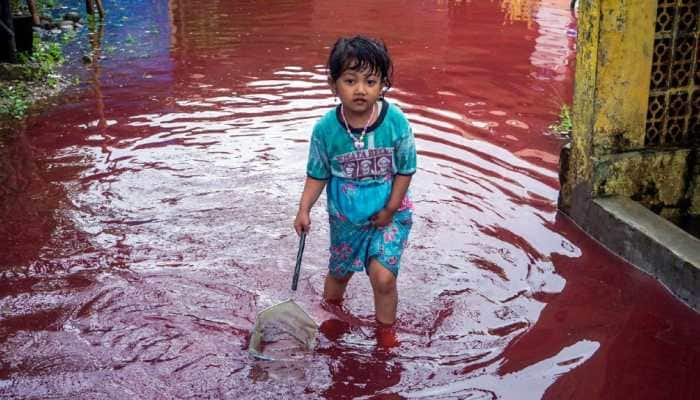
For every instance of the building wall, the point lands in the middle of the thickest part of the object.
(636, 107)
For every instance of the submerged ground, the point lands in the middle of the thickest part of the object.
(148, 218)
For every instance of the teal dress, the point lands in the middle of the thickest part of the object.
(359, 186)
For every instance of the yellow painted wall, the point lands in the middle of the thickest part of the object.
(624, 49)
(608, 154)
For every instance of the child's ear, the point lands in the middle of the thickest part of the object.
(331, 83)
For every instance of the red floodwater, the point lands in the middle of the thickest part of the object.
(148, 218)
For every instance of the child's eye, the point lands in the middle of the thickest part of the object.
(349, 81)
(371, 82)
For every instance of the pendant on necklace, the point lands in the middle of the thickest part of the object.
(359, 142)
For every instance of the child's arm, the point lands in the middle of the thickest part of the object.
(312, 189)
(398, 192)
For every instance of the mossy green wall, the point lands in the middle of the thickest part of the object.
(608, 154)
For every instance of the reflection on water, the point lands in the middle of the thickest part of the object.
(513, 10)
(147, 220)
(519, 10)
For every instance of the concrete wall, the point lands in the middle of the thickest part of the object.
(627, 61)
(635, 150)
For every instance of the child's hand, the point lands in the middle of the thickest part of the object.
(302, 223)
(382, 218)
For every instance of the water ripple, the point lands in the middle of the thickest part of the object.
(147, 220)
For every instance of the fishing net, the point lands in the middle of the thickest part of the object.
(284, 330)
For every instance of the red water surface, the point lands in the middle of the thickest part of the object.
(148, 218)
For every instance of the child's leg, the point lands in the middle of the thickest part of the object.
(334, 288)
(385, 294)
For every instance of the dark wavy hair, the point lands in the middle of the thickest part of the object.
(358, 53)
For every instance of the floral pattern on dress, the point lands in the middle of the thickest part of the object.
(353, 246)
(390, 233)
(341, 251)
(348, 189)
(406, 204)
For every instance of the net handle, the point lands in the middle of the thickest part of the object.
(297, 268)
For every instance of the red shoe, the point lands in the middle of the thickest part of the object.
(386, 335)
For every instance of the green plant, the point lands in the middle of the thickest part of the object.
(13, 100)
(565, 125)
(17, 6)
(43, 4)
(21, 7)
(68, 37)
(42, 64)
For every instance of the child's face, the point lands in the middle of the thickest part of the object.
(358, 90)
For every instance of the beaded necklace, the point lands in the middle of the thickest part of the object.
(360, 141)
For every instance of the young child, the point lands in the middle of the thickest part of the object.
(363, 152)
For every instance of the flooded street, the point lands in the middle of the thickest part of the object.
(147, 218)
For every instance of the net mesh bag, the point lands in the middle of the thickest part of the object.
(283, 330)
